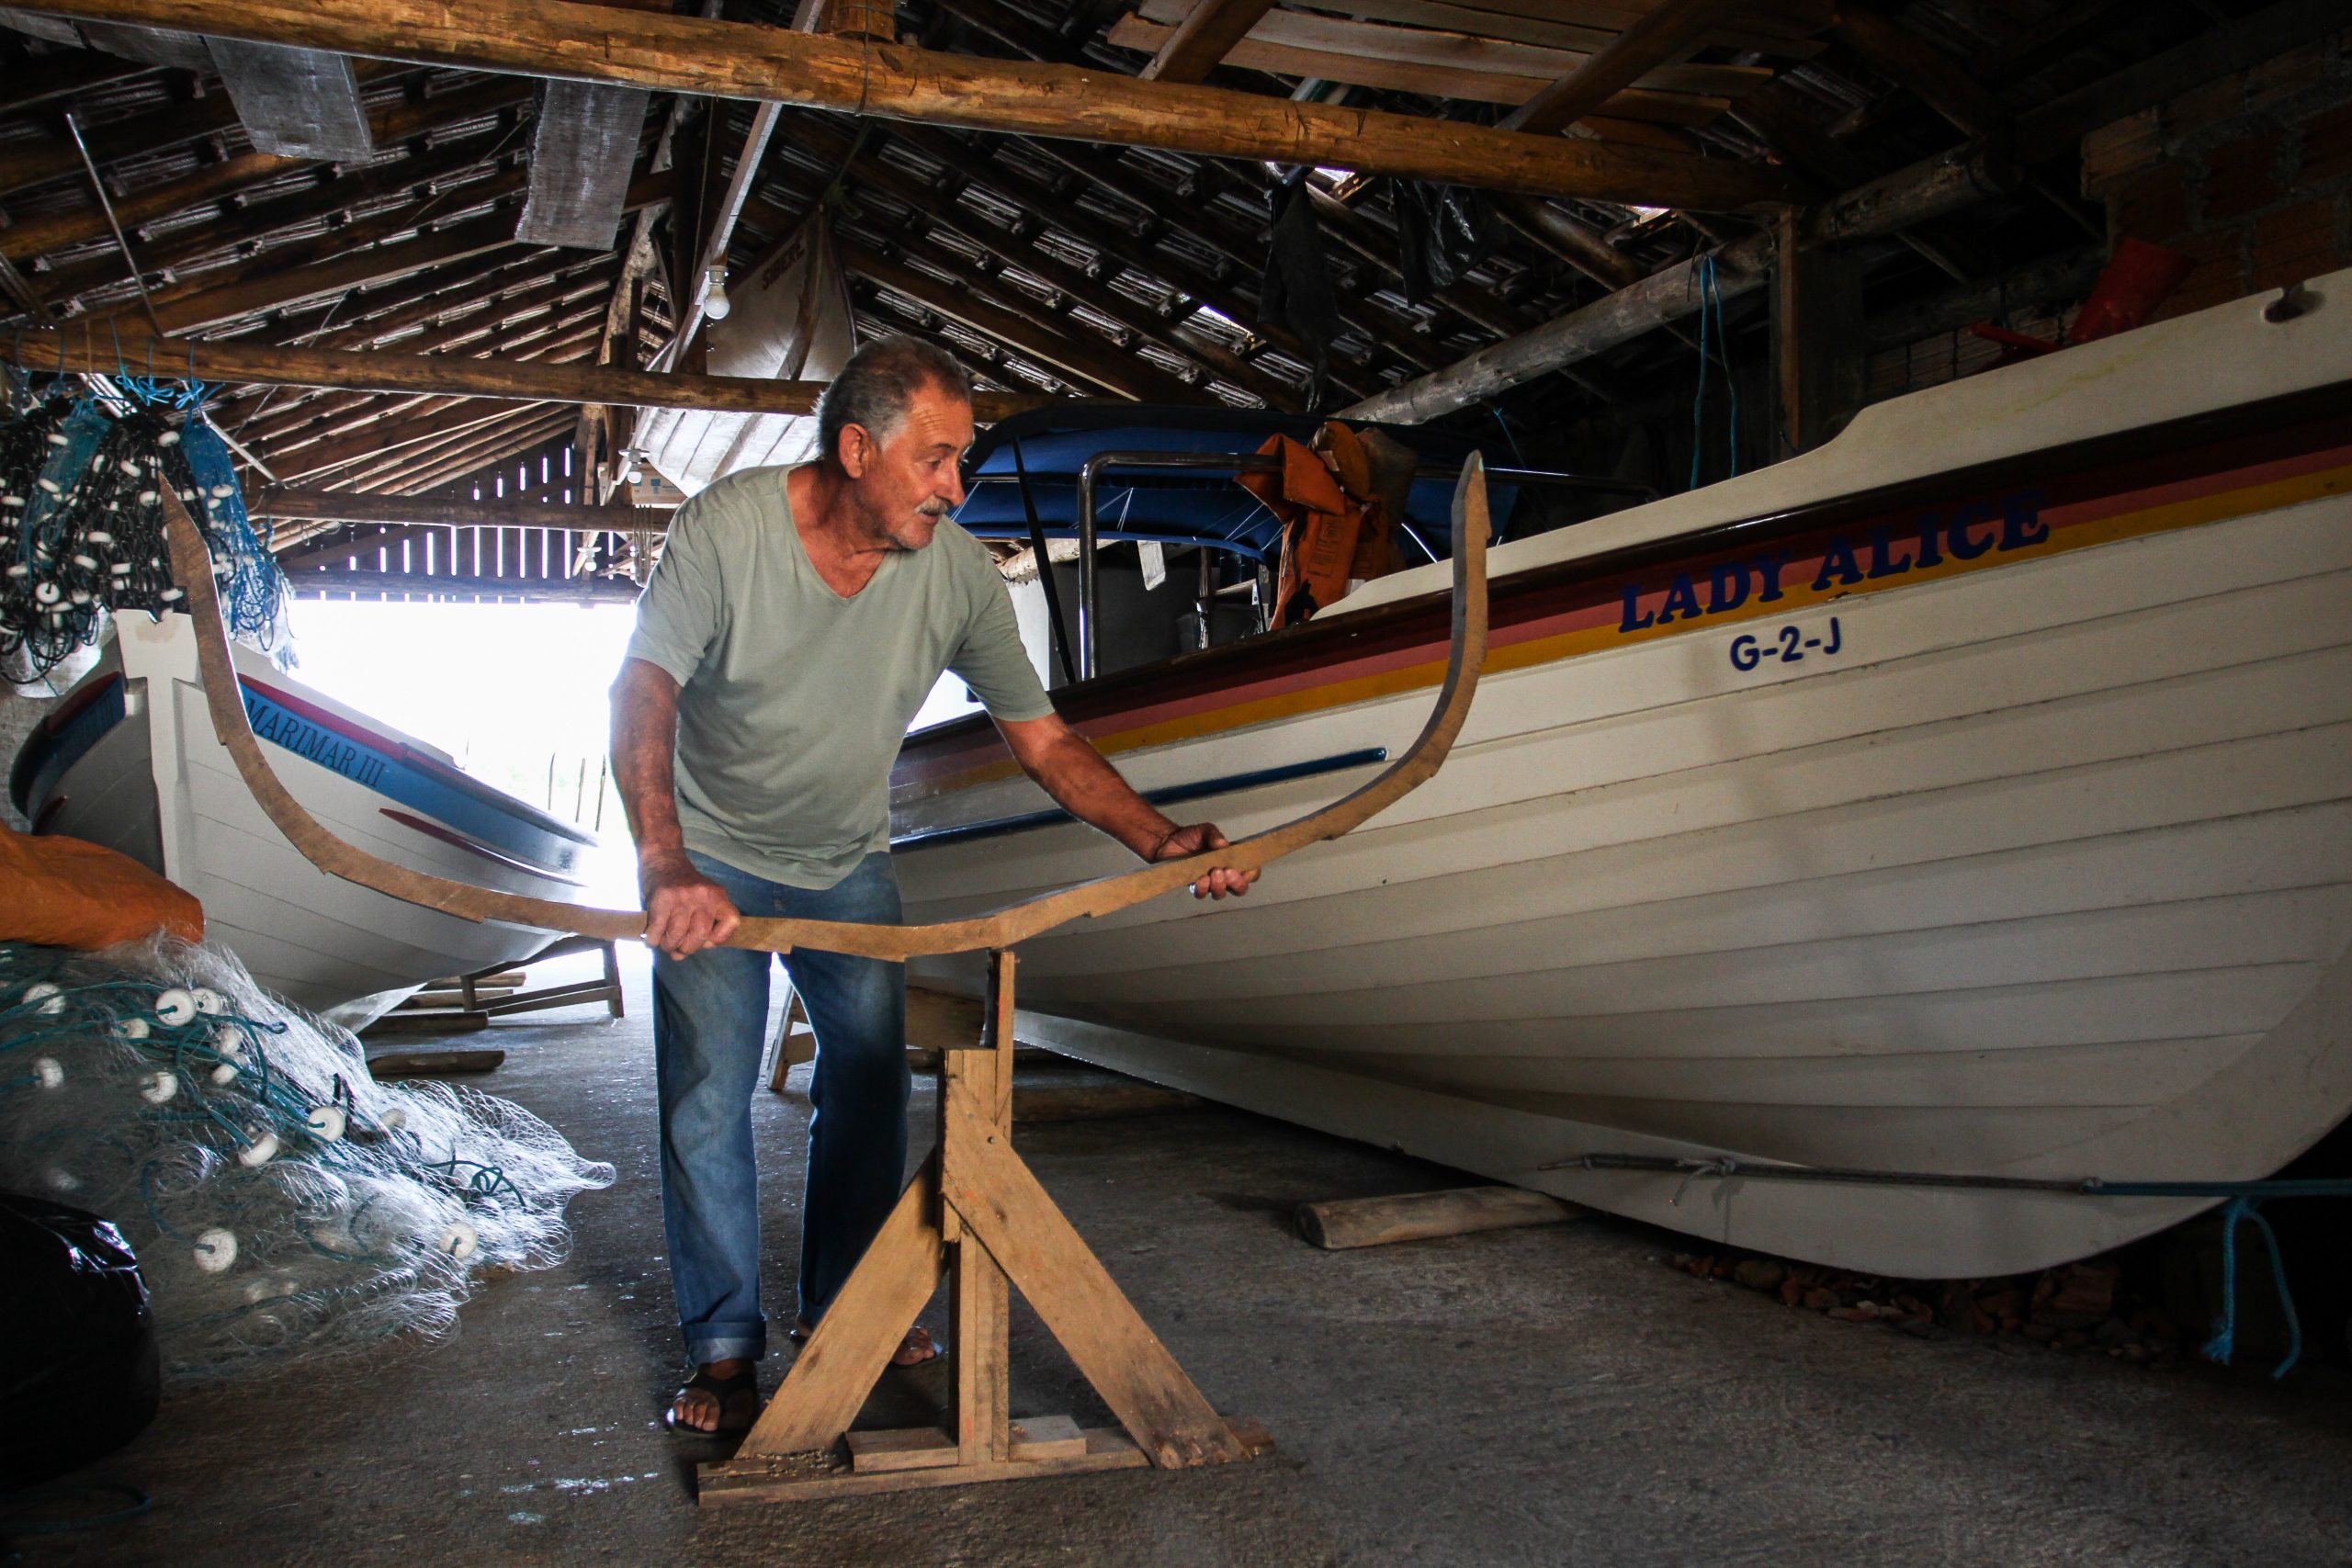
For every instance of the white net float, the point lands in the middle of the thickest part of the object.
(216, 1249)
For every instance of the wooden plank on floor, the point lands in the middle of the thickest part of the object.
(386, 1065)
(1422, 1216)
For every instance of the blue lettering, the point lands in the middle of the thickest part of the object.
(1634, 601)
(1681, 599)
(1728, 585)
(1838, 559)
(2021, 523)
(1929, 553)
(1883, 561)
(1768, 567)
(1963, 544)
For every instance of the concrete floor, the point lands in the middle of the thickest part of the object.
(1549, 1396)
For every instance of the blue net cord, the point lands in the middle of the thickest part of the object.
(2224, 1345)
(1711, 304)
(81, 520)
(253, 591)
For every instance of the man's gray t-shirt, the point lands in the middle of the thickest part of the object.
(793, 700)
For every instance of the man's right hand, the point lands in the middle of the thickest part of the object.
(684, 911)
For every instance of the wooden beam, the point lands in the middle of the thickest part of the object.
(507, 512)
(1203, 39)
(361, 256)
(1924, 71)
(1117, 246)
(244, 225)
(36, 163)
(294, 103)
(1063, 345)
(392, 123)
(1655, 37)
(1568, 240)
(412, 434)
(1924, 190)
(739, 60)
(1021, 248)
(231, 361)
(1816, 337)
(259, 288)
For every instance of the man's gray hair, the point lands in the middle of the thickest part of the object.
(878, 385)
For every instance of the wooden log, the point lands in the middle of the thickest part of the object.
(1423, 1216)
(241, 362)
(738, 60)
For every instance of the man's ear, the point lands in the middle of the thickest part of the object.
(854, 447)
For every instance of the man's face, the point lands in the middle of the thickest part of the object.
(903, 486)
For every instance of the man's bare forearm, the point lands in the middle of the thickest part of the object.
(645, 741)
(1087, 786)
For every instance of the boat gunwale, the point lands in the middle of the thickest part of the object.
(2293, 422)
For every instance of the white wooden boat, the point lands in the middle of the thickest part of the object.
(1970, 797)
(129, 760)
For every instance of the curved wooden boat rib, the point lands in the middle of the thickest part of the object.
(192, 565)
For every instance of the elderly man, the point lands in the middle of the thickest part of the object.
(797, 620)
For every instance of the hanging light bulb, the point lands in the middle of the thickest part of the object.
(630, 473)
(715, 303)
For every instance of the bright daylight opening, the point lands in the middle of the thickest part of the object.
(515, 692)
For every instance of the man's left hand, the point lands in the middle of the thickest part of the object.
(1192, 840)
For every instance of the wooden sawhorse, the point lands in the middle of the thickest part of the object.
(976, 1210)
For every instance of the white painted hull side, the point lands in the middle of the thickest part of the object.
(162, 788)
(2048, 874)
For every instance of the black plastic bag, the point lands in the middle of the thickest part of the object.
(1297, 291)
(79, 1372)
(1442, 231)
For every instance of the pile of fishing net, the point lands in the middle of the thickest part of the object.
(283, 1204)
(81, 522)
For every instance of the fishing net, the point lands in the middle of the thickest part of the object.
(284, 1205)
(82, 521)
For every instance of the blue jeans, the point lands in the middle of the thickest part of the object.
(709, 1033)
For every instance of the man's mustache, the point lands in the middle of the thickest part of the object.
(933, 508)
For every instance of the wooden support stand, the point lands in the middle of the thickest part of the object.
(976, 1210)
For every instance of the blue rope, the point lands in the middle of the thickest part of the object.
(2223, 1343)
(1711, 304)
